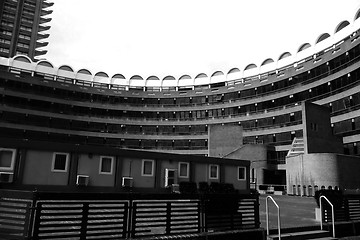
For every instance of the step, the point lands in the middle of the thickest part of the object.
(317, 234)
(324, 238)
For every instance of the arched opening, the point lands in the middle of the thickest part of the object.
(304, 46)
(341, 26)
(284, 55)
(310, 191)
(357, 15)
(298, 190)
(322, 37)
(267, 61)
(250, 66)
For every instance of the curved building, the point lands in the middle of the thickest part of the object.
(40, 101)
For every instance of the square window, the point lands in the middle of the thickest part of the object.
(183, 170)
(241, 173)
(213, 171)
(7, 159)
(60, 162)
(147, 168)
(106, 165)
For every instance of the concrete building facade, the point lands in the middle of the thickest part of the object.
(23, 25)
(264, 101)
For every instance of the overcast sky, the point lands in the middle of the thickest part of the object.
(177, 37)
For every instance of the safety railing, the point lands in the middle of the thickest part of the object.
(332, 213)
(267, 216)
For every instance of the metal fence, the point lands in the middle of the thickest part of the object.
(45, 215)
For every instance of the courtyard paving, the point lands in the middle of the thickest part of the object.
(295, 211)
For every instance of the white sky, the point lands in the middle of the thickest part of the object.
(177, 37)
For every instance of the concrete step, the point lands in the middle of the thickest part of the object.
(316, 234)
(324, 238)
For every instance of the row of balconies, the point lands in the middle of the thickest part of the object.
(313, 74)
(93, 126)
(53, 95)
(200, 117)
(222, 96)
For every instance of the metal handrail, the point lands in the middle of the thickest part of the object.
(267, 216)
(332, 214)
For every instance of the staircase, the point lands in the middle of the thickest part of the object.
(297, 233)
(297, 147)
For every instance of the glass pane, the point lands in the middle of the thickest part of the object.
(171, 174)
(60, 162)
(5, 159)
(213, 171)
(183, 169)
(241, 173)
(106, 165)
(147, 168)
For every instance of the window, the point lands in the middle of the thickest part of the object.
(147, 168)
(60, 162)
(241, 173)
(253, 175)
(106, 165)
(7, 159)
(213, 171)
(183, 170)
(170, 177)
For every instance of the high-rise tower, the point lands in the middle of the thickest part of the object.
(22, 27)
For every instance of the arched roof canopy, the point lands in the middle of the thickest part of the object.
(153, 78)
(322, 37)
(201, 79)
(22, 58)
(233, 74)
(101, 74)
(169, 78)
(136, 77)
(137, 81)
(183, 77)
(84, 74)
(118, 76)
(84, 71)
(201, 75)
(22, 62)
(250, 66)
(45, 64)
(185, 80)
(169, 81)
(217, 76)
(233, 70)
(102, 77)
(217, 73)
(153, 81)
(303, 47)
(341, 25)
(46, 67)
(267, 61)
(66, 71)
(66, 68)
(284, 55)
(357, 15)
(119, 79)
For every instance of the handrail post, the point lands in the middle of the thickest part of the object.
(332, 214)
(267, 216)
